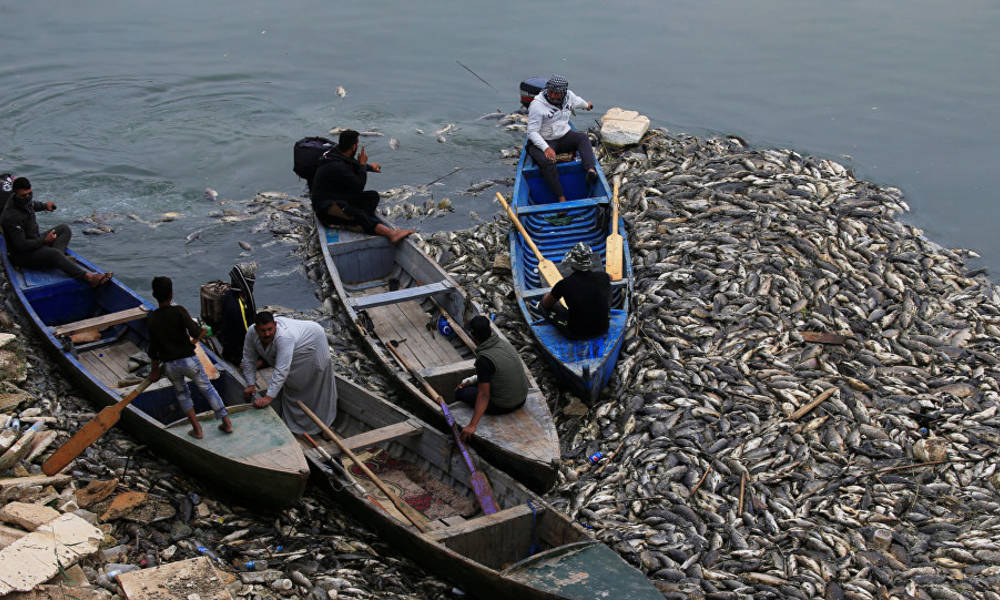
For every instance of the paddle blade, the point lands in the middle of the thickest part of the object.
(82, 439)
(484, 492)
(210, 369)
(613, 264)
(550, 275)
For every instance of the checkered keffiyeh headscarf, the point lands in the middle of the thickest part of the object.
(557, 83)
(579, 258)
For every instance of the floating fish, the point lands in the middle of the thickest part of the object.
(245, 245)
(341, 91)
(192, 236)
(211, 195)
(441, 139)
(445, 129)
(394, 143)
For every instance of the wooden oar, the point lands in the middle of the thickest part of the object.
(89, 433)
(419, 521)
(550, 274)
(337, 466)
(614, 243)
(477, 479)
(210, 370)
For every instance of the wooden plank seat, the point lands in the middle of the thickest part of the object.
(418, 292)
(449, 369)
(384, 434)
(562, 206)
(102, 321)
(502, 519)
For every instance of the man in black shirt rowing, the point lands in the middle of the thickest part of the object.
(587, 294)
(338, 190)
(499, 385)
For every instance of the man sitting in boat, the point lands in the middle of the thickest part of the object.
(238, 311)
(30, 249)
(587, 294)
(302, 370)
(338, 191)
(171, 330)
(549, 132)
(499, 385)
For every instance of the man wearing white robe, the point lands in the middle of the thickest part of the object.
(299, 353)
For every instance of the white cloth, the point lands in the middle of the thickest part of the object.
(302, 371)
(548, 122)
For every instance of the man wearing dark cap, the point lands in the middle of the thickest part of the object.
(338, 191)
(587, 294)
(499, 385)
(549, 132)
(28, 248)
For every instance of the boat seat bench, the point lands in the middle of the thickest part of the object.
(501, 518)
(418, 292)
(383, 434)
(562, 206)
(102, 321)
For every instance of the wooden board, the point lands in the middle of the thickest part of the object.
(408, 321)
(384, 434)
(123, 316)
(175, 580)
(110, 365)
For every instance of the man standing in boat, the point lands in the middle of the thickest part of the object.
(28, 248)
(549, 133)
(499, 385)
(587, 294)
(303, 370)
(338, 190)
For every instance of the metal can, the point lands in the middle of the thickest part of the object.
(595, 457)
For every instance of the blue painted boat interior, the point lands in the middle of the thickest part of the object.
(555, 228)
(52, 298)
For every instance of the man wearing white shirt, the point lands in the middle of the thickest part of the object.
(549, 132)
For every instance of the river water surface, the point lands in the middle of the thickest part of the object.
(137, 107)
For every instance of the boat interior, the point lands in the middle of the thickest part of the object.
(403, 300)
(423, 467)
(108, 324)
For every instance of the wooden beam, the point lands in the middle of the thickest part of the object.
(484, 522)
(115, 318)
(384, 434)
(403, 295)
(448, 369)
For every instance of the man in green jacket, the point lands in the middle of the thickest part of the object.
(500, 384)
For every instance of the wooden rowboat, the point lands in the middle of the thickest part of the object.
(585, 365)
(260, 463)
(396, 293)
(527, 550)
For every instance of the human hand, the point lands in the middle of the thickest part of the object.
(377, 168)
(50, 236)
(550, 154)
(363, 156)
(50, 206)
(263, 401)
(467, 432)
(249, 391)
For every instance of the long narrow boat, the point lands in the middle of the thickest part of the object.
(527, 550)
(585, 365)
(260, 463)
(397, 294)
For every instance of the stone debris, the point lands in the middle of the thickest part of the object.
(38, 556)
(27, 516)
(182, 580)
(621, 128)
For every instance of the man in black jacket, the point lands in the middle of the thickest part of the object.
(30, 249)
(338, 191)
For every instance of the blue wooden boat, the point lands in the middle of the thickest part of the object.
(585, 365)
(259, 464)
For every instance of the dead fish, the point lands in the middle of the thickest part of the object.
(441, 139)
(192, 236)
(478, 187)
(445, 129)
(493, 115)
(99, 230)
(394, 143)
(245, 245)
(211, 195)
(341, 91)
(337, 130)
(419, 131)
(370, 133)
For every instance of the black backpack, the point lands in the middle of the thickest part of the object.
(308, 154)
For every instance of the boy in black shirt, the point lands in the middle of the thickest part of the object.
(587, 294)
(171, 329)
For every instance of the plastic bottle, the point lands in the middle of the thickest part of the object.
(250, 565)
(111, 571)
(205, 550)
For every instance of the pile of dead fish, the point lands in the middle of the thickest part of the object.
(806, 403)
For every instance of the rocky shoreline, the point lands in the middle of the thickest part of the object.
(805, 405)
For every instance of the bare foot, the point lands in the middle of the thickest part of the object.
(397, 235)
(226, 426)
(196, 434)
(562, 198)
(96, 279)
